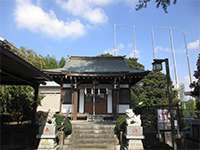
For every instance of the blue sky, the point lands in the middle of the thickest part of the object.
(85, 27)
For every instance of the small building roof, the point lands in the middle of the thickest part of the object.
(50, 84)
(14, 70)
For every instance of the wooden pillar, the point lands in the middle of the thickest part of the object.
(36, 91)
(33, 117)
(74, 104)
(116, 97)
(93, 98)
(74, 98)
(61, 97)
(114, 101)
(118, 90)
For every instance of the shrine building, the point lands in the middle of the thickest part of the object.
(95, 85)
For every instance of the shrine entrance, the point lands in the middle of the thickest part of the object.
(95, 102)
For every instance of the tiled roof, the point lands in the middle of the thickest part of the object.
(96, 65)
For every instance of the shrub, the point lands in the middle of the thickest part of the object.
(63, 124)
(120, 125)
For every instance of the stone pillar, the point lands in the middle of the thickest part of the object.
(134, 135)
(47, 134)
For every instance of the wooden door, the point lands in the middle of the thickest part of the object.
(88, 103)
(101, 104)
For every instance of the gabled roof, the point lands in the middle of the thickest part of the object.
(96, 65)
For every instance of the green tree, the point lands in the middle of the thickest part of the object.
(196, 85)
(106, 55)
(151, 91)
(159, 3)
(50, 62)
(133, 63)
(17, 101)
(62, 62)
(189, 108)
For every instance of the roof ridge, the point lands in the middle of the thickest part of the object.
(96, 57)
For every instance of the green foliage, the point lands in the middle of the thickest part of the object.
(198, 105)
(63, 124)
(159, 3)
(62, 62)
(41, 62)
(151, 91)
(106, 55)
(196, 85)
(188, 108)
(120, 125)
(16, 101)
(50, 62)
(59, 119)
(67, 127)
(148, 116)
(133, 63)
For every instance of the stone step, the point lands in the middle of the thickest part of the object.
(95, 140)
(95, 126)
(92, 148)
(94, 131)
(93, 145)
(92, 135)
(90, 140)
(92, 128)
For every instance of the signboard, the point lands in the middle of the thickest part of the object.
(163, 116)
(47, 131)
(134, 132)
(164, 123)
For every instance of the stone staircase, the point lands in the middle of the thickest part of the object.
(90, 136)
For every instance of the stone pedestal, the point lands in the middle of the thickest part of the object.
(134, 135)
(47, 135)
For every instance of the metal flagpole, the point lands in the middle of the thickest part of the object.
(173, 55)
(153, 43)
(114, 39)
(134, 42)
(187, 56)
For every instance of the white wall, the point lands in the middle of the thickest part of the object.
(81, 101)
(123, 108)
(66, 108)
(109, 102)
(50, 102)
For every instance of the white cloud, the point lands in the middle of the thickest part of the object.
(194, 45)
(90, 10)
(34, 18)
